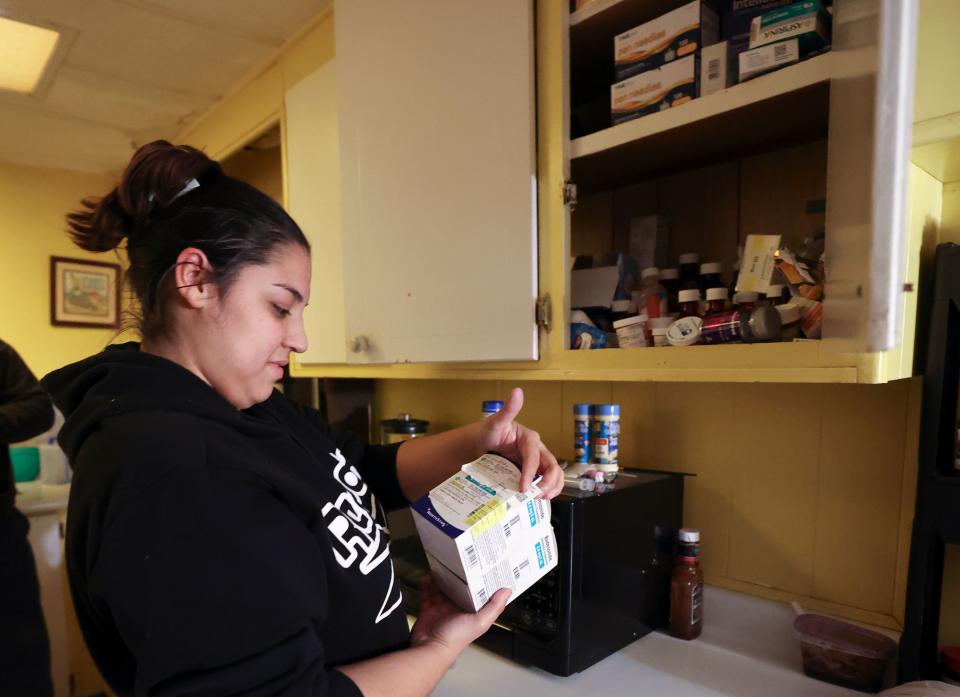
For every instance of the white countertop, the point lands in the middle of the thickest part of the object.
(34, 498)
(747, 649)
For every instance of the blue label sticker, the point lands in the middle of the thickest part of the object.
(533, 513)
(540, 560)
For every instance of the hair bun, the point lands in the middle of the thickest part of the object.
(156, 173)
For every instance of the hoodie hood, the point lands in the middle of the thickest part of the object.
(123, 380)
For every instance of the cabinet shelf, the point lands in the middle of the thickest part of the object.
(789, 105)
(797, 362)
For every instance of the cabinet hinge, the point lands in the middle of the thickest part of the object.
(569, 194)
(544, 312)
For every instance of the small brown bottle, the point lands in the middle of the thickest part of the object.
(686, 588)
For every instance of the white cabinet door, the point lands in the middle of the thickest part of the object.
(871, 110)
(437, 149)
(313, 199)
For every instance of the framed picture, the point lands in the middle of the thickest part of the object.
(84, 293)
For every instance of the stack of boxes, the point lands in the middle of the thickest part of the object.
(656, 63)
(695, 50)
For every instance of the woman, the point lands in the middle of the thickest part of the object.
(224, 540)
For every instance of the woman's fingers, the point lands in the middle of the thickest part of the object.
(530, 457)
(494, 607)
(552, 482)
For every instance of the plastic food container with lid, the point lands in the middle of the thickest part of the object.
(843, 653)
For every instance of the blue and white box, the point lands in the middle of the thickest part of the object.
(481, 534)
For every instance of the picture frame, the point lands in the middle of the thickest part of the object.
(84, 293)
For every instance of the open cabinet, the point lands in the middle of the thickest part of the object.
(820, 144)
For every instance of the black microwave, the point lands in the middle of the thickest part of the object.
(611, 586)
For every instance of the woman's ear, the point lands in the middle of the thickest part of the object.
(193, 276)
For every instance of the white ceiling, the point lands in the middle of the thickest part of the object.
(130, 71)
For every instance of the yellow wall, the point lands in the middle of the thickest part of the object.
(802, 491)
(33, 203)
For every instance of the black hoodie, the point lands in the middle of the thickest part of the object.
(221, 552)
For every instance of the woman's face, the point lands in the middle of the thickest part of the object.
(251, 331)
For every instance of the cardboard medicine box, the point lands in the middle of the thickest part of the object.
(675, 35)
(806, 21)
(668, 86)
(758, 61)
(736, 17)
(717, 71)
(481, 534)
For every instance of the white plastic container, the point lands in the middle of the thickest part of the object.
(632, 331)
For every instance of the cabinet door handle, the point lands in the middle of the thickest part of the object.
(359, 344)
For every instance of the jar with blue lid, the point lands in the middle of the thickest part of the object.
(491, 407)
(605, 436)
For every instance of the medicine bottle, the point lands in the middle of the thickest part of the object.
(710, 273)
(605, 436)
(689, 302)
(684, 332)
(777, 295)
(581, 433)
(749, 326)
(654, 294)
(716, 300)
(745, 300)
(790, 319)
(621, 309)
(670, 280)
(686, 587)
(660, 336)
(632, 331)
(491, 407)
(689, 270)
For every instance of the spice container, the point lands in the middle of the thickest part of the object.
(632, 331)
(605, 436)
(686, 587)
(581, 432)
(689, 302)
(491, 407)
(842, 653)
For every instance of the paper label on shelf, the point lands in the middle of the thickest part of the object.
(757, 265)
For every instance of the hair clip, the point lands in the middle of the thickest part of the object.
(189, 186)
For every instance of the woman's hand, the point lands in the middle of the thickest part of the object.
(446, 625)
(501, 434)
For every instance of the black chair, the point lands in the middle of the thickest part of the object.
(937, 519)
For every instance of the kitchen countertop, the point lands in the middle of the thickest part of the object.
(34, 498)
(747, 649)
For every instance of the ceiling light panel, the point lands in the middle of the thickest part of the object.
(25, 50)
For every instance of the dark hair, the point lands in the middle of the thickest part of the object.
(233, 223)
